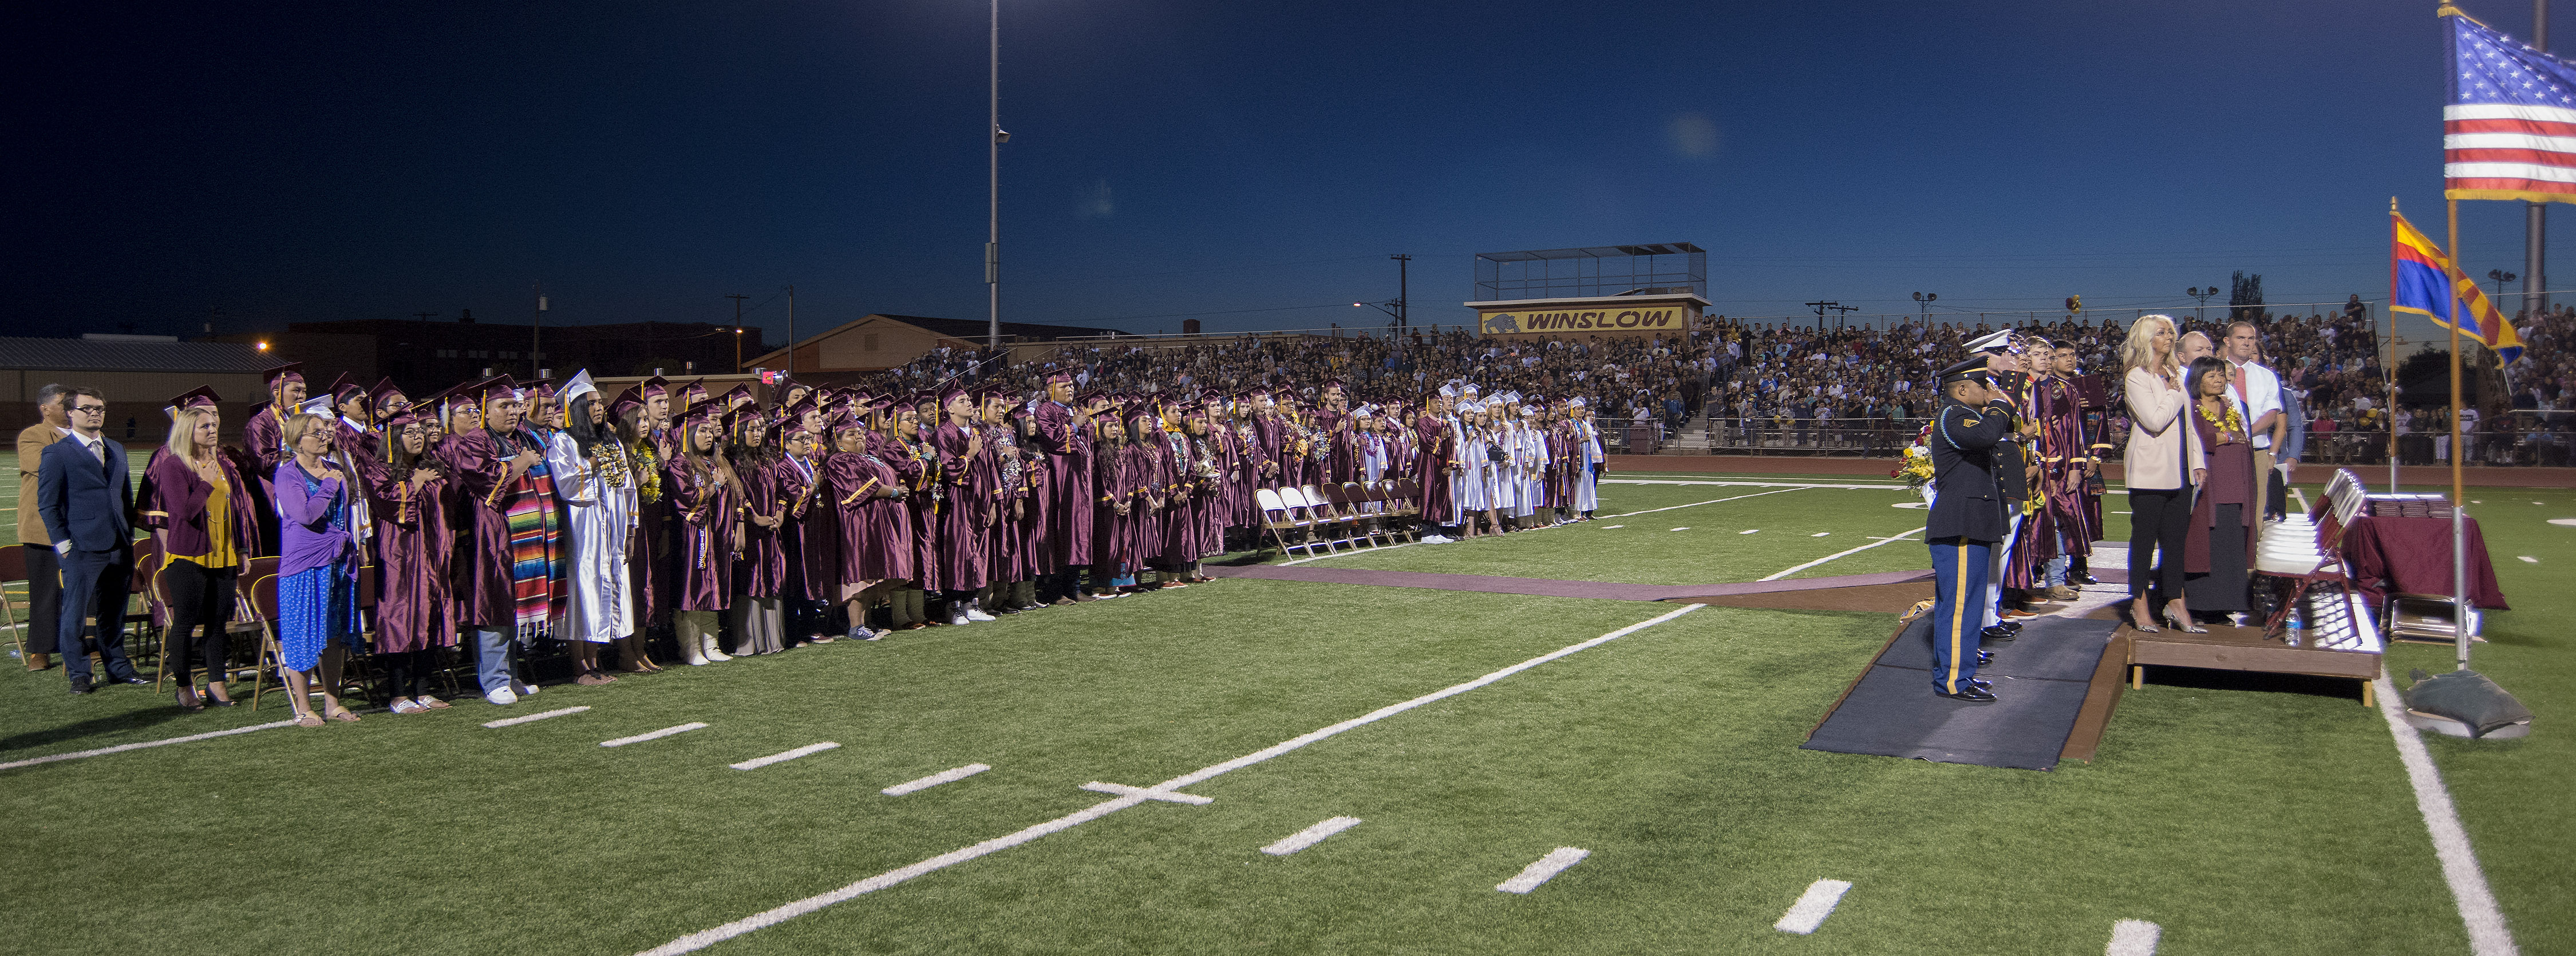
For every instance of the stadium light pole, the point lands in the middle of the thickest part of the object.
(2535, 216)
(2500, 277)
(994, 138)
(2199, 312)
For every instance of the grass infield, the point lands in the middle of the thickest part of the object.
(2241, 815)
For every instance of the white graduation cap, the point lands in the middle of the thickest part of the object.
(1448, 390)
(1469, 389)
(1574, 403)
(319, 405)
(579, 385)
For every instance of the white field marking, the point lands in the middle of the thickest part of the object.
(2564, 521)
(1148, 793)
(1812, 907)
(1624, 514)
(1310, 836)
(2133, 937)
(1820, 534)
(705, 938)
(1607, 527)
(1752, 484)
(2476, 502)
(121, 748)
(1911, 504)
(1543, 869)
(1682, 528)
(1717, 501)
(945, 776)
(653, 735)
(508, 721)
(2529, 559)
(2487, 933)
(1841, 554)
(1750, 531)
(756, 763)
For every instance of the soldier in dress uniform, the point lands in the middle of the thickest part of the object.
(1967, 521)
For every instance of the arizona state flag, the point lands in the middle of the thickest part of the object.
(2422, 280)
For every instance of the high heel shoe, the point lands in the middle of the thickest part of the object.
(2143, 624)
(2181, 621)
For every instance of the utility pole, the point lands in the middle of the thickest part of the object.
(791, 333)
(536, 331)
(2535, 216)
(1403, 299)
(737, 330)
(993, 137)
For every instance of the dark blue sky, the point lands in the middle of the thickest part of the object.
(375, 160)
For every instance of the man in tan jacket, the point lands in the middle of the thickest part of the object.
(44, 572)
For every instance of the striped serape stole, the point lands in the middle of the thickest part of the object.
(536, 552)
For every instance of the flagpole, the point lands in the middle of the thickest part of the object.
(2390, 370)
(2459, 501)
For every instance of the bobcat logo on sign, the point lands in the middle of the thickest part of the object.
(1501, 323)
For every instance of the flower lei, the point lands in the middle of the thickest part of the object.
(2231, 422)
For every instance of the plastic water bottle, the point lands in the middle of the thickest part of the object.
(2298, 635)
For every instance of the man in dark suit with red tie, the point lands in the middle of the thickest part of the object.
(87, 501)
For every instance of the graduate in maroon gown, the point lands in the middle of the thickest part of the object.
(496, 468)
(1252, 464)
(1005, 545)
(1036, 514)
(1437, 451)
(968, 482)
(759, 621)
(1120, 505)
(415, 604)
(706, 496)
(811, 537)
(1068, 448)
(264, 445)
(853, 484)
(917, 462)
(892, 557)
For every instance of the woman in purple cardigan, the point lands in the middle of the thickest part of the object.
(317, 570)
(200, 512)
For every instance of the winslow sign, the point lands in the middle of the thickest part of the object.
(1594, 315)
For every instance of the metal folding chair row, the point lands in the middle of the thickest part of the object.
(1336, 515)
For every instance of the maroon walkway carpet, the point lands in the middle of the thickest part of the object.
(1550, 587)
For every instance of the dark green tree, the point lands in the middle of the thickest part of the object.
(2245, 297)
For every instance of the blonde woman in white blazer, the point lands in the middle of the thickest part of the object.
(2164, 460)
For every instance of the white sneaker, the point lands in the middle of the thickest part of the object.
(976, 615)
(500, 696)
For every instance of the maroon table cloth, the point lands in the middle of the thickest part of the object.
(2413, 556)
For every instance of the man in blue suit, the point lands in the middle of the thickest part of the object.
(87, 502)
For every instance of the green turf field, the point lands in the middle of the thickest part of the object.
(2242, 816)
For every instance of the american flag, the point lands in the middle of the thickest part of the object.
(2509, 124)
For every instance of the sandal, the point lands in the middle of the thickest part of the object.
(406, 705)
(427, 702)
(307, 719)
(343, 715)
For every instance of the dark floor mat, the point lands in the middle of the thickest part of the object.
(2050, 647)
(2040, 682)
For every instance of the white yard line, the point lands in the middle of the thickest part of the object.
(121, 748)
(1310, 836)
(1809, 912)
(512, 721)
(1623, 514)
(756, 763)
(653, 735)
(704, 938)
(2487, 933)
(1754, 484)
(1718, 501)
(1543, 869)
(2133, 937)
(1842, 554)
(950, 775)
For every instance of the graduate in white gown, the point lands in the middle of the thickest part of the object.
(597, 484)
(1475, 484)
(1505, 491)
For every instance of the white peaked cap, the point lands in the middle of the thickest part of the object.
(1991, 343)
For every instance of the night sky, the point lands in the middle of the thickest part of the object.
(1250, 163)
